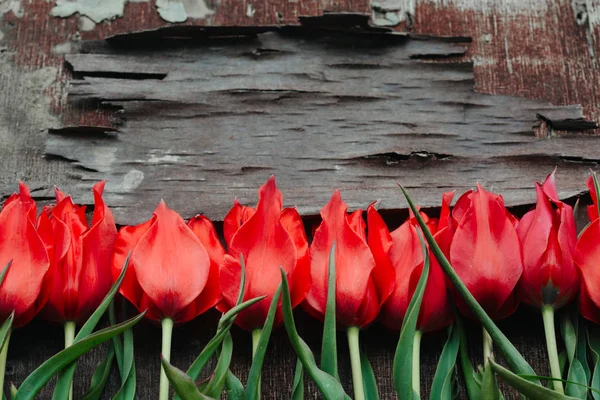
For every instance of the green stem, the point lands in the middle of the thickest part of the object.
(3, 355)
(488, 347)
(167, 333)
(69, 333)
(69, 338)
(357, 381)
(416, 363)
(255, 339)
(548, 317)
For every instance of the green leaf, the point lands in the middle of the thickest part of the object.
(442, 386)
(329, 387)
(577, 374)
(116, 341)
(576, 371)
(230, 315)
(200, 362)
(298, 385)
(225, 323)
(6, 329)
(593, 337)
(183, 385)
(128, 387)
(63, 384)
(531, 390)
(38, 378)
(567, 330)
(126, 364)
(253, 385)
(4, 271)
(369, 381)
(549, 378)
(233, 386)
(127, 370)
(489, 385)
(403, 362)
(581, 350)
(510, 353)
(215, 385)
(597, 187)
(562, 361)
(329, 346)
(93, 320)
(100, 376)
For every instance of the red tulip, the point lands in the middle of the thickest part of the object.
(548, 237)
(587, 255)
(402, 248)
(25, 287)
(593, 208)
(80, 256)
(362, 284)
(269, 238)
(173, 271)
(485, 252)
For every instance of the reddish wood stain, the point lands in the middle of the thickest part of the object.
(540, 55)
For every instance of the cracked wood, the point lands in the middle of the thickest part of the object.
(202, 124)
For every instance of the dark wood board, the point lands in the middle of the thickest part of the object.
(514, 97)
(205, 123)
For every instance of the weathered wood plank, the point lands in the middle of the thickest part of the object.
(518, 50)
(358, 113)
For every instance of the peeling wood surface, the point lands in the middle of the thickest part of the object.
(526, 49)
(204, 123)
(515, 96)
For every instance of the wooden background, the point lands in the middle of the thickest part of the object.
(353, 94)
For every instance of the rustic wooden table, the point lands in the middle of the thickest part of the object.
(198, 102)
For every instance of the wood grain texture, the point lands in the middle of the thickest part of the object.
(546, 51)
(204, 123)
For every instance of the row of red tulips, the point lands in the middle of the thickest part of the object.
(62, 264)
(64, 267)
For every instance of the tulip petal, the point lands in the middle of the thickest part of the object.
(379, 238)
(549, 187)
(20, 242)
(369, 307)
(235, 218)
(205, 231)
(588, 309)
(460, 208)
(436, 309)
(406, 255)
(380, 243)
(354, 263)
(548, 237)
(267, 246)
(445, 216)
(485, 252)
(98, 248)
(587, 254)
(175, 265)
(567, 242)
(126, 241)
(357, 223)
(534, 231)
(208, 298)
(300, 276)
